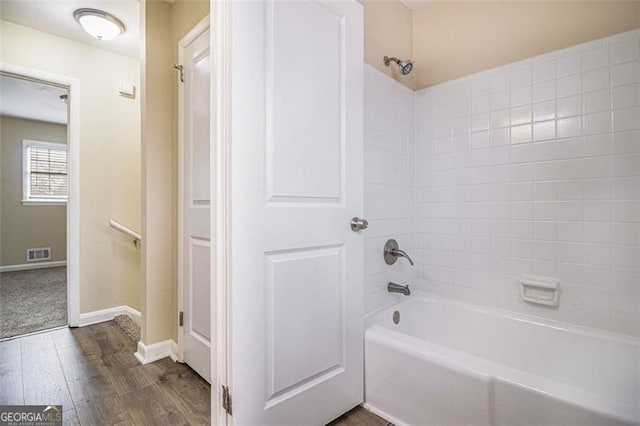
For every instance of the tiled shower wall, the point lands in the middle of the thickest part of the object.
(531, 168)
(389, 183)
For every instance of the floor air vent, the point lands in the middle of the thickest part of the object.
(35, 254)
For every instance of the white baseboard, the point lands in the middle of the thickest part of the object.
(174, 351)
(28, 266)
(108, 314)
(386, 416)
(155, 351)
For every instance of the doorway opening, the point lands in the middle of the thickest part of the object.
(38, 163)
(194, 210)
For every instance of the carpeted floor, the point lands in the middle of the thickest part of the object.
(129, 327)
(32, 301)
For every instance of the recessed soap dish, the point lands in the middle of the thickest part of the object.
(540, 290)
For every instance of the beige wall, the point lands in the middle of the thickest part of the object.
(457, 38)
(157, 174)
(185, 14)
(388, 31)
(27, 226)
(109, 158)
(449, 39)
(160, 160)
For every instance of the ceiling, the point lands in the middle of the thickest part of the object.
(56, 17)
(32, 100)
(415, 4)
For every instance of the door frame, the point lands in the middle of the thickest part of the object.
(218, 22)
(73, 201)
(220, 160)
(196, 31)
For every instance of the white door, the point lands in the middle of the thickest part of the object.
(196, 205)
(297, 180)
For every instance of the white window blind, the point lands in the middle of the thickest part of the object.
(46, 172)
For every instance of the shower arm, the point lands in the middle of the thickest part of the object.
(387, 60)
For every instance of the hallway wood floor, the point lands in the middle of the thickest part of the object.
(92, 373)
(359, 417)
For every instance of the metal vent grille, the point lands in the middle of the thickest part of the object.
(37, 254)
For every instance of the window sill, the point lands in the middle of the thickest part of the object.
(44, 202)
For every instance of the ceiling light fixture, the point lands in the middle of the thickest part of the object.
(100, 24)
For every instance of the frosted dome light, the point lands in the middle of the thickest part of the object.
(99, 24)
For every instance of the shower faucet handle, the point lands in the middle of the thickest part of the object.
(392, 252)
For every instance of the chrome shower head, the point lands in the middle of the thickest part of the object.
(404, 66)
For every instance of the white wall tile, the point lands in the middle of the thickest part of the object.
(597, 145)
(599, 100)
(499, 100)
(567, 86)
(499, 82)
(544, 91)
(520, 77)
(568, 65)
(390, 177)
(624, 51)
(595, 58)
(569, 106)
(521, 115)
(597, 189)
(569, 127)
(626, 119)
(597, 123)
(544, 111)
(500, 136)
(626, 142)
(544, 71)
(624, 74)
(625, 189)
(544, 130)
(545, 178)
(480, 122)
(500, 118)
(521, 134)
(520, 96)
(595, 80)
(626, 96)
(598, 233)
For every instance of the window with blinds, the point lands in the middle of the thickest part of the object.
(45, 172)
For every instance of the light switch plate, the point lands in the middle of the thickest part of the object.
(127, 89)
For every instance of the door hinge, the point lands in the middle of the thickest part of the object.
(181, 69)
(181, 318)
(226, 400)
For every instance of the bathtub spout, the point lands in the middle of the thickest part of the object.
(398, 288)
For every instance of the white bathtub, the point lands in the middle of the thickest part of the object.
(451, 363)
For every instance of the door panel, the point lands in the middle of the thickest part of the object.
(297, 324)
(198, 85)
(196, 207)
(305, 123)
(306, 340)
(200, 323)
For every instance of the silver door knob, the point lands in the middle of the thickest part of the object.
(358, 224)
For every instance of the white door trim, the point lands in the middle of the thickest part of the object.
(200, 27)
(221, 213)
(73, 203)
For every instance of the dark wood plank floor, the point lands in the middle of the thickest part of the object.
(359, 417)
(92, 373)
